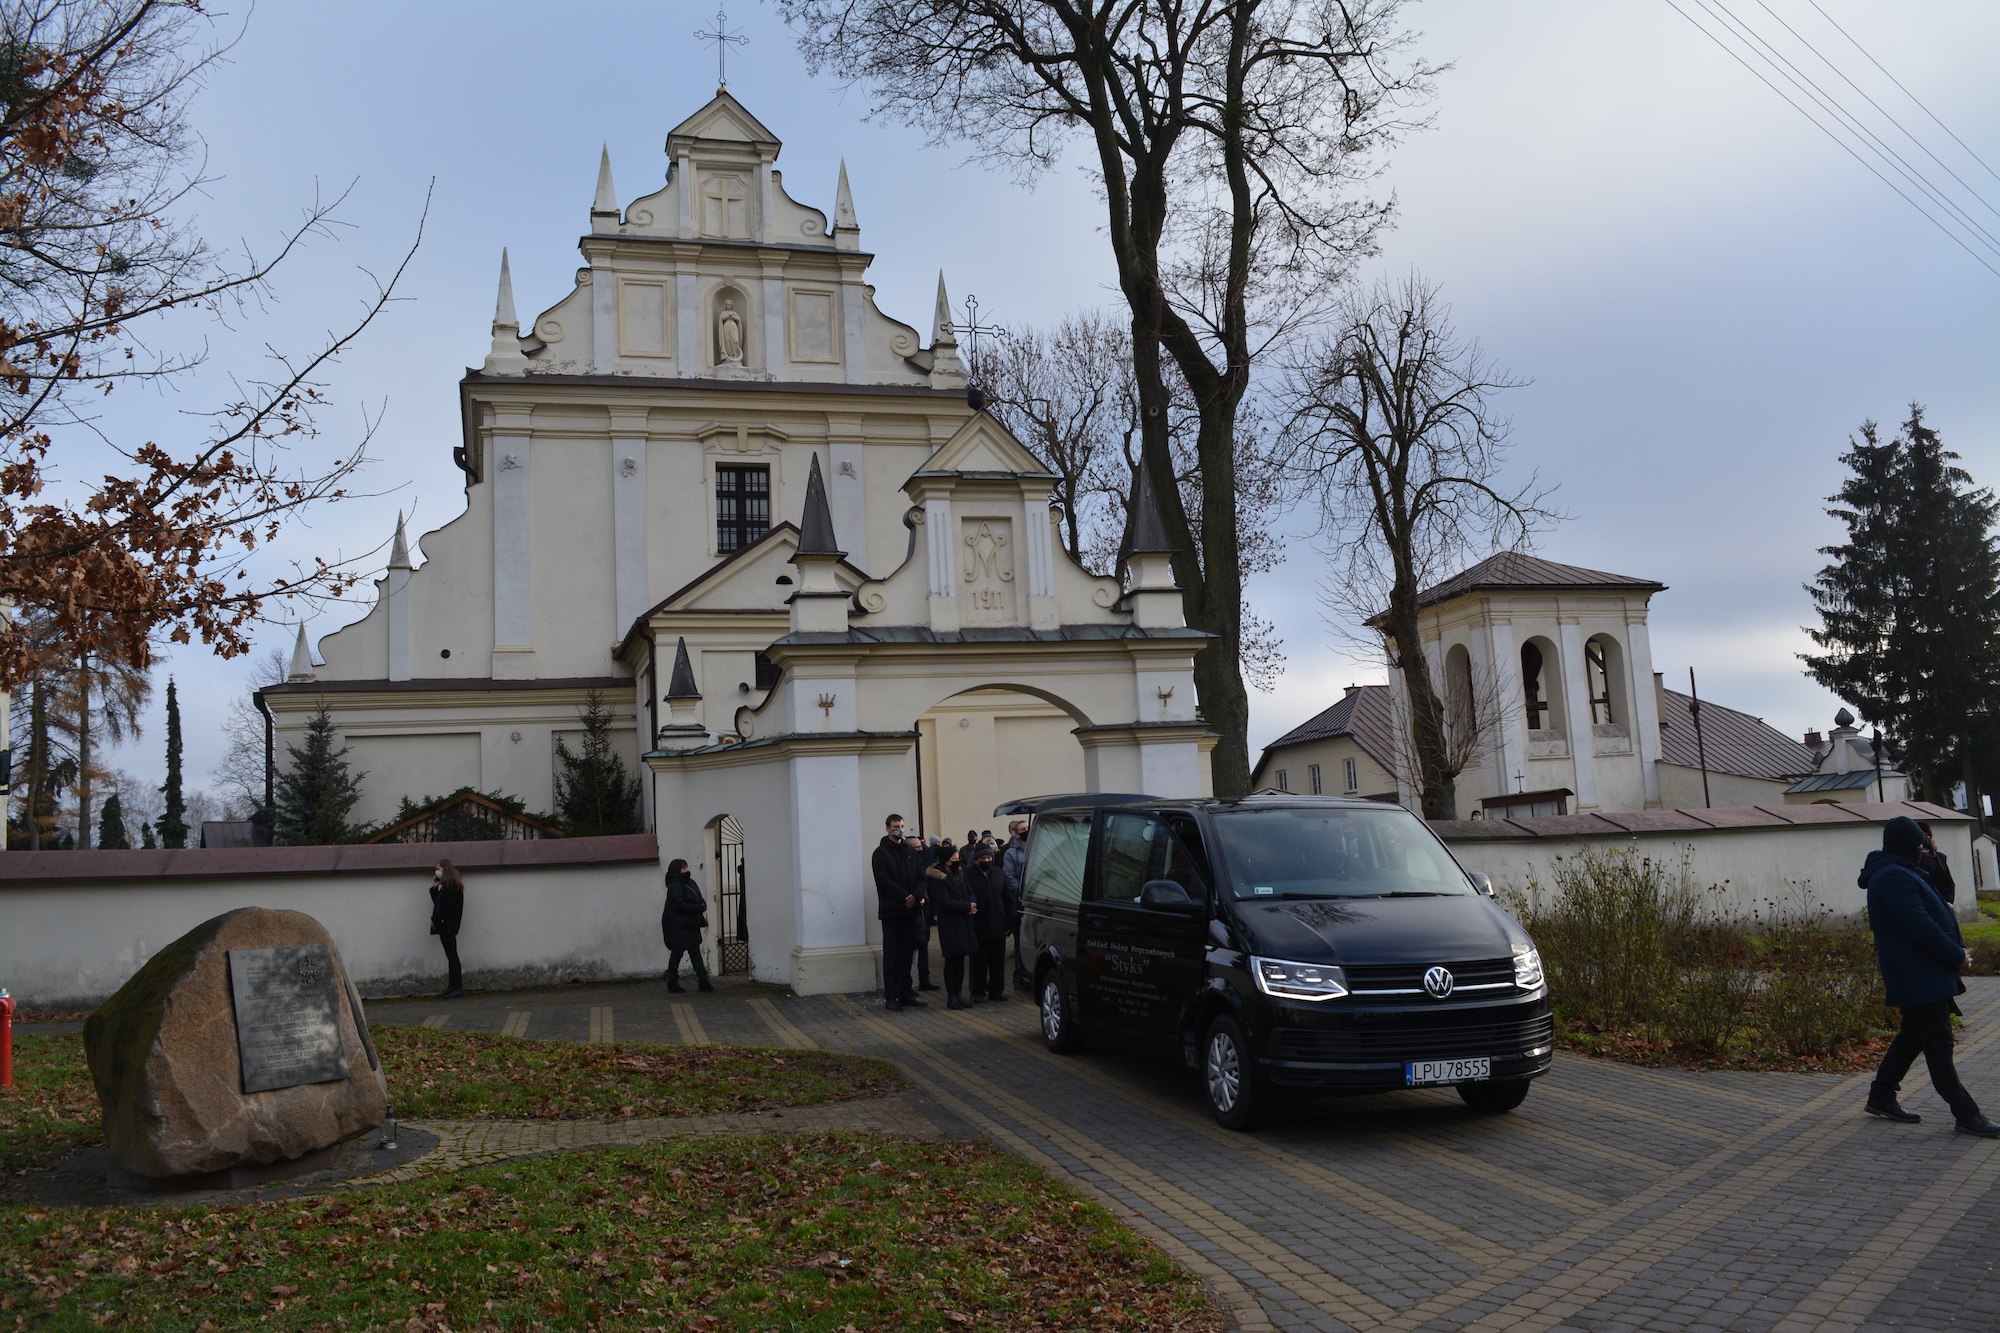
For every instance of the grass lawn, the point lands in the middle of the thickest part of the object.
(52, 1109)
(829, 1233)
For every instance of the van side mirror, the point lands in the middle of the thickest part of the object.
(1481, 881)
(1164, 893)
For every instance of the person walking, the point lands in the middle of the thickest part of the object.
(899, 905)
(989, 927)
(447, 914)
(681, 922)
(1922, 957)
(953, 904)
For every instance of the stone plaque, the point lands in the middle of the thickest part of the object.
(287, 1025)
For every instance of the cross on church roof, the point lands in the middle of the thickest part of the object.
(972, 328)
(723, 39)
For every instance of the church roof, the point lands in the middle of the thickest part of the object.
(1734, 742)
(1520, 572)
(1364, 716)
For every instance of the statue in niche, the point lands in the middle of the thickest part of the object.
(729, 334)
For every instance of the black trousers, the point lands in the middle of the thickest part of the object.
(1926, 1029)
(450, 943)
(989, 970)
(922, 949)
(693, 956)
(899, 944)
(954, 974)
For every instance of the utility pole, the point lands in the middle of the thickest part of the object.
(1875, 746)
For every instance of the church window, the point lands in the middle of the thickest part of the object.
(1537, 689)
(1353, 776)
(742, 506)
(1597, 669)
(767, 673)
(1312, 771)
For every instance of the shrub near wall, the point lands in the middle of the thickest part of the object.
(1643, 961)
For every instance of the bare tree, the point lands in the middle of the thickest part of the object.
(1397, 439)
(95, 162)
(239, 775)
(1227, 137)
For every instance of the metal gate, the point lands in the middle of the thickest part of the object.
(732, 930)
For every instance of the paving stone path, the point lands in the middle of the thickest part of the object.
(1616, 1198)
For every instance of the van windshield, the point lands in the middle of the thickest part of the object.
(1334, 852)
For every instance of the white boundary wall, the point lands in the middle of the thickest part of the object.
(69, 945)
(1763, 860)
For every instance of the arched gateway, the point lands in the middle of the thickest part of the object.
(716, 489)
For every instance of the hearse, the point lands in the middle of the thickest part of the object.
(1278, 944)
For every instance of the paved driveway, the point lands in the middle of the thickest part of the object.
(1615, 1198)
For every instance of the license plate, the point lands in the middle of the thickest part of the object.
(1421, 1073)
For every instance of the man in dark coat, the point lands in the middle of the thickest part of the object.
(990, 926)
(899, 905)
(1922, 957)
(681, 922)
(952, 904)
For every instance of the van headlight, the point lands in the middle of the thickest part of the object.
(1298, 981)
(1527, 967)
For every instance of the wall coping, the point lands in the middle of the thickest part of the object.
(1629, 823)
(21, 870)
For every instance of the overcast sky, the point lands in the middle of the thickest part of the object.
(1707, 295)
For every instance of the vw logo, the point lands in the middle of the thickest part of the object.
(1438, 982)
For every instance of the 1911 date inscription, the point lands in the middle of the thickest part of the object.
(287, 1023)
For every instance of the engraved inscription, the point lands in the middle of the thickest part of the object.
(287, 1029)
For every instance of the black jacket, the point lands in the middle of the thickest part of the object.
(1916, 937)
(1938, 871)
(951, 904)
(989, 890)
(447, 909)
(685, 915)
(899, 873)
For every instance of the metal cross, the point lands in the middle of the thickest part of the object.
(972, 328)
(723, 39)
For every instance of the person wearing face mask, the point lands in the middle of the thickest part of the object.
(447, 914)
(952, 902)
(899, 897)
(989, 925)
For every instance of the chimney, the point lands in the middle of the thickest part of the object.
(1815, 741)
(1350, 691)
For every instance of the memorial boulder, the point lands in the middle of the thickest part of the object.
(238, 1052)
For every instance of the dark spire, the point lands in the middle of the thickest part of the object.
(681, 686)
(1149, 533)
(816, 527)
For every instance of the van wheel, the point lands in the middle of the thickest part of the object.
(1059, 1030)
(1499, 1095)
(1237, 1095)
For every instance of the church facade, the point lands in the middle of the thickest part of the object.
(715, 486)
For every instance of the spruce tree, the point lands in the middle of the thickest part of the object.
(1910, 607)
(173, 820)
(111, 834)
(146, 841)
(594, 793)
(317, 793)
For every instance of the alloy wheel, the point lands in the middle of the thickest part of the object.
(1225, 1073)
(1052, 1011)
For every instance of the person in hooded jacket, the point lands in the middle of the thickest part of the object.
(953, 904)
(1922, 958)
(681, 922)
(989, 926)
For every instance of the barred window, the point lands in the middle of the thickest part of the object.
(742, 506)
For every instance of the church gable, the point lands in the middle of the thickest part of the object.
(758, 578)
(723, 120)
(981, 449)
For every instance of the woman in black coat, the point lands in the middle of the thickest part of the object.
(952, 902)
(447, 914)
(989, 925)
(681, 922)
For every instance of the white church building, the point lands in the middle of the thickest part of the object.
(716, 484)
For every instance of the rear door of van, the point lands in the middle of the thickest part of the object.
(1052, 889)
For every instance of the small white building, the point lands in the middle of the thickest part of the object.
(716, 484)
(1546, 671)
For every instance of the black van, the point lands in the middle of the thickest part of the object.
(1277, 943)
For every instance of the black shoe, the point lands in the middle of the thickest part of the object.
(675, 988)
(1981, 1126)
(1892, 1111)
(451, 992)
(995, 999)
(926, 985)
(893, 1006)
(955, 1003)
(703, 985)
(913, 1002)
